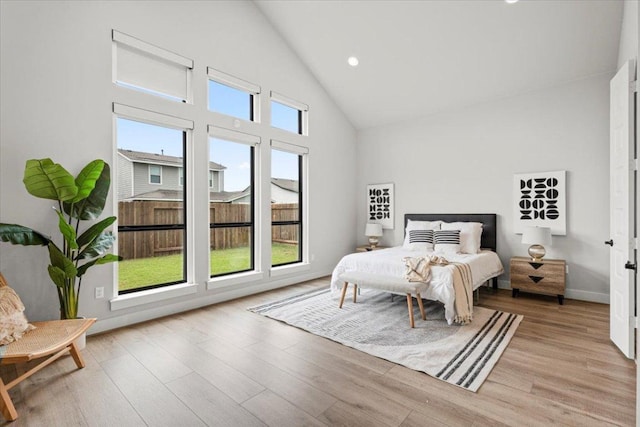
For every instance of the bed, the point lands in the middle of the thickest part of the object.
(484, 265)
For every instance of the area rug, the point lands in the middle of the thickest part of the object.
(378, 324)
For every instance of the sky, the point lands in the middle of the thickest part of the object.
(138, 136)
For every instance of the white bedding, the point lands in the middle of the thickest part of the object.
(388, 262)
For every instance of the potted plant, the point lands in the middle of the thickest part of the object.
(79, 199)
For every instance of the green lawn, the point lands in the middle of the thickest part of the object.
(137, 273)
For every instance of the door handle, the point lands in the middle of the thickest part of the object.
(630, 266)
(609, 242)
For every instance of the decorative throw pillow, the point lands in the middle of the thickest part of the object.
(421, 240)
(447, 241)
(13, 322)
(418, 225)
(470, 235)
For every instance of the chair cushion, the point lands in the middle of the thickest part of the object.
(13, 322)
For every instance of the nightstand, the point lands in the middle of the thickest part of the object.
(368, 248)
(546, 276)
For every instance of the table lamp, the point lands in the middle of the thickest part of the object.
(536, 237)
(373, 231)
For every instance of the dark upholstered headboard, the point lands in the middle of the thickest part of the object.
(489, 224)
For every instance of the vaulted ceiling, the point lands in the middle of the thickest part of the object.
(421, 57)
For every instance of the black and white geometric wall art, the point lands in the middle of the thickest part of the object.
(380, 204)
(540, 199)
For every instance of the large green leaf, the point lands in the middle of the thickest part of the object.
(58, 259)
(57, 276)
(92, 206)
(48, 180)
(94, 231)
(86, 179)
(67, 231)
(21, 235)
(99, 246)
(103, 260)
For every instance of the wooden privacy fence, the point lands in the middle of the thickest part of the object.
(146, 244)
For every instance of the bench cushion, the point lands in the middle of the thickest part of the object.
(383, 283)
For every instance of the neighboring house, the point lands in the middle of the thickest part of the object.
(157, 176)
(148, 176)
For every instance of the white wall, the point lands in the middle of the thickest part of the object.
(629, 35)
(464, 161)
(57, 95)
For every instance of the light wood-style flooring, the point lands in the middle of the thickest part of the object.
(225, 366)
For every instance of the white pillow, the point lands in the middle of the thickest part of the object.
(470, 235)
(418, 225)
(446, 241)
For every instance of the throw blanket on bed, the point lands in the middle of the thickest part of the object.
(463, 289)
(419, 268)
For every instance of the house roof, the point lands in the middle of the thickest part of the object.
(177, 195)
(160, 159)
(286, 184)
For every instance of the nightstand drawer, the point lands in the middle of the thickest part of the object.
(540, 284)
(543, 277)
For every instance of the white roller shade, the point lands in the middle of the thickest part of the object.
(145, 66)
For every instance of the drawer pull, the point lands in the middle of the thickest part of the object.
(536, 265)
(536, 279)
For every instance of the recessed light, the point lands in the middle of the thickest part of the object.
(511, 1)
(353, 61)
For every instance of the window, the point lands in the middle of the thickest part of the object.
(287, 172)
(155, 174)
(288, 114)
(151, 69)
(151, 219)
(232, 96)
(180, 176)
(212, 179)
(232, 207)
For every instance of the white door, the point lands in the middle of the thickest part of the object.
(622, 189)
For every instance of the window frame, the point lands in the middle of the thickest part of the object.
(252, 141)
(303, 202)
(186, 126)
(253, 90)
(150, 166)
(303, 112)
(132, 43)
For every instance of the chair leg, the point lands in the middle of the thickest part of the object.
(419, 298)
(344, 291)
(8, 410)
(77, 356)
(410, 305)
(355, 291)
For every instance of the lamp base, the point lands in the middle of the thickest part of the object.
(536, 252)
(373, 241)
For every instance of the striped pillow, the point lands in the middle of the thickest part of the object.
(447, 241)
(420, 240)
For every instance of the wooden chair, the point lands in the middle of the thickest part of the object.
(53, 338)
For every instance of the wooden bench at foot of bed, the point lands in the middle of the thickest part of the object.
(387, 284)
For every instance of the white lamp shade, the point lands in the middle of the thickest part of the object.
(536, 236)
(373, 230)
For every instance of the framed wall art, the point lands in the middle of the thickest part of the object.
(540, 200)
(380, 204)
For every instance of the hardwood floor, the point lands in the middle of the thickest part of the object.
(225, 366)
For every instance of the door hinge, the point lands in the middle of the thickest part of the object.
(633, 86)
(635, 163)
(636, 322)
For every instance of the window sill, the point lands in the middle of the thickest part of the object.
(152, 295)
(290, 269)
(235, 279)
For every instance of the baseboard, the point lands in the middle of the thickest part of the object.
(570, 293)
(208, 298)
